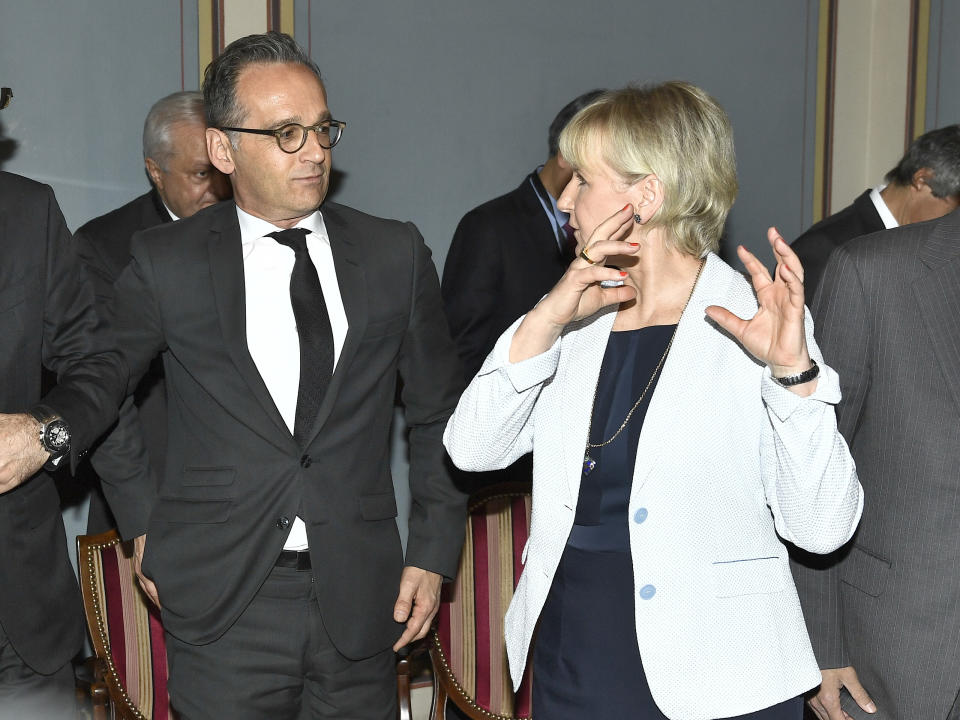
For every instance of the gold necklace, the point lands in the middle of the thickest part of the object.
(590, 463)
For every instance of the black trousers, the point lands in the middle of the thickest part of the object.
(28, 695)
(277, 662)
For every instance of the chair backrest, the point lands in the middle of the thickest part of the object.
(467, 646)
(124, 627)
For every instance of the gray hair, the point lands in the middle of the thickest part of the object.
(939, 152)
(564, 117)
(220, 77)
(180, 107)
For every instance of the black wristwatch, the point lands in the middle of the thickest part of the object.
(54, 431)
(799, 378)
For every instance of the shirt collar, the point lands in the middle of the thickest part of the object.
(253, 228)
(889, 221)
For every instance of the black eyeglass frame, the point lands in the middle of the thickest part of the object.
(341, 125)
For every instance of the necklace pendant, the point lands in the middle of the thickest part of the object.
(588, 463)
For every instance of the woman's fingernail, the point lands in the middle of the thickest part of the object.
(635, 244)
(625, 207)
(622, 274)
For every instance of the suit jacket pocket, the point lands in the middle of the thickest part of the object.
(207, 476)
(184, 510)
(865, 571)
(381, 506)
(12, 296)
(748, 576)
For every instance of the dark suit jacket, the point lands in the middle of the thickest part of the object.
(887, 320)
(504, 257)
(103, 244)
(815, 245)
(47, 318)
(236, 478)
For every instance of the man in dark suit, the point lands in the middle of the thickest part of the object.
(884, 612)
(183, 181)
(508, 252)
(505, 255)
(47, 319)
(283, 327)
(924, 185)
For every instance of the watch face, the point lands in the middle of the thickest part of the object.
(57, 436)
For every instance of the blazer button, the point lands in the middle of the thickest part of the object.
(306, 461)
(283, 522)
(640, 515)
(647, 592)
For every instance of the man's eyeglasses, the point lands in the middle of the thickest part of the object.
(292, 136)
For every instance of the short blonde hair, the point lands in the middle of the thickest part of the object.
(679, 133)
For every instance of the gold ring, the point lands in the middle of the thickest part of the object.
(583, 254)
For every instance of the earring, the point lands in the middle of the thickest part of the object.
(637, 219)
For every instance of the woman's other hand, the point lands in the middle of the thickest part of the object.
(775, 335)
(579, 294)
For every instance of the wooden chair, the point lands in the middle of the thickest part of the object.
(466, 645)
(130, 673)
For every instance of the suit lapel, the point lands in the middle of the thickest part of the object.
(226, 271)
(937, 291)
(351, 279)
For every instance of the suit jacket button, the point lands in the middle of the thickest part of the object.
(283, 522)
(306, 461)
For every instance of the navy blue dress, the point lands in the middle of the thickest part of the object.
(586, 662)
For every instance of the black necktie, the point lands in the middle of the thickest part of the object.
(313, 327)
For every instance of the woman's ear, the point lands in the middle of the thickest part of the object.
(648, 197)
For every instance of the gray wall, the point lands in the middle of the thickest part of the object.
(943, 61)
(84, 73)
(448, 101)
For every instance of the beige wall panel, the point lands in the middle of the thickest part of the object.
(243, 17)
(870, 101)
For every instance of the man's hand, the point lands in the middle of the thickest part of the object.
(417, 603)
(21, 453)
(826, 703)
(149, 589)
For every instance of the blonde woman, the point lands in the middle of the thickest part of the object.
(682, 427)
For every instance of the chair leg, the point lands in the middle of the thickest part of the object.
(403, 689)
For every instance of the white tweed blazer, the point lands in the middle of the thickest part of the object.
(728, 463)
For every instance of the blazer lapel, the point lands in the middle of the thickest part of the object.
(351, 279)
(226, 271)
(678, 376)
(937, 291)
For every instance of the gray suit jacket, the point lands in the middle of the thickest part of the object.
(888, 320)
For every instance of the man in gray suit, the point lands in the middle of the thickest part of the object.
(884, 612)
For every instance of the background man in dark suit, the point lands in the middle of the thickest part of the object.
(507, 253)
(924, 185)
(283, 329)
(884, 612)
(47, 318)
(183, 181)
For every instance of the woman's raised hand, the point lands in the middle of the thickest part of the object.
(579, 294)
(775, 335)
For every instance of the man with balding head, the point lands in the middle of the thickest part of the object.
(183, 182)
(924, 185)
